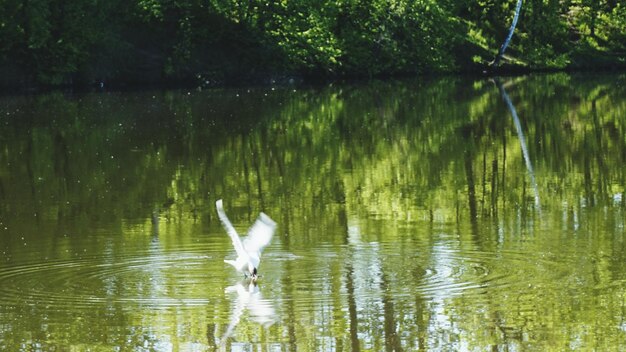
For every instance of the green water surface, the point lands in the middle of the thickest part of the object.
(438, 214)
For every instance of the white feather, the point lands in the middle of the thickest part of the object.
(260, 234)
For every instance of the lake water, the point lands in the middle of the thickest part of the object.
(436, 214)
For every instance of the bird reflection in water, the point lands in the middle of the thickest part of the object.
(260, 310)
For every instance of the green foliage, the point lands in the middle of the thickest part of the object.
(397, 36)
(53, 39)
(60, 42)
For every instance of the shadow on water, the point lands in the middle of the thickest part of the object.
(411, 215)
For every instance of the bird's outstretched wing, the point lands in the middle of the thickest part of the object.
(230, 229)
(260, 234)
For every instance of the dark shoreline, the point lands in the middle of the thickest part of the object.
(289, 80)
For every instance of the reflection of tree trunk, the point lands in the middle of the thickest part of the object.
(422, 309)
(290, 309)
(483, 183)
(602, 189)
(286, 226)
(422, 317)
(503, 182)
(494, 187)
(471, 196)
(246, 175)
(280, 162)
(210, 336)
(256, 155)
(392, 341)
(522, 142)
(587, 181)
(354, 325)
(471, 188)
(587, 173)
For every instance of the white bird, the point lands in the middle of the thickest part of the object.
(249, 250)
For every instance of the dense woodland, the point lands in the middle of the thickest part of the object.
(79, 42)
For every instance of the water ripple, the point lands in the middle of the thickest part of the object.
(88, 281)
(471, 272)
(445, 271)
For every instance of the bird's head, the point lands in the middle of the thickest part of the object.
(253, 272)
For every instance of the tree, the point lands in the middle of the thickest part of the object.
(498, 57)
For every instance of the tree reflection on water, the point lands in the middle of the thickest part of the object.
(408, 213)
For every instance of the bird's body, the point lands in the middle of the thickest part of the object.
(249, 250)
